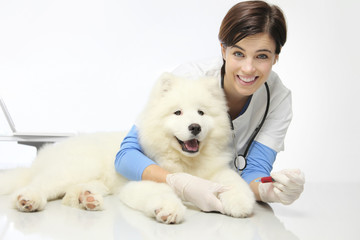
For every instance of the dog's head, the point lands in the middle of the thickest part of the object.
(190, 125)
(188, 116)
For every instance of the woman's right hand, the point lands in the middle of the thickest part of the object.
(288, 186)
(203, 193)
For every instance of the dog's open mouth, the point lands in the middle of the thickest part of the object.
(190, 146)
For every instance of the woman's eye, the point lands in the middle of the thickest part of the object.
(238, 54)
(262, 56)
(178, 113)
(201, 112)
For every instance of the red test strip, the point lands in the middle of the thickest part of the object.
(267, 179)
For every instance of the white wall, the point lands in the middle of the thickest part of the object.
(88, 65)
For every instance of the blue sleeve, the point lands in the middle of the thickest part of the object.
(130, 161)
(260, 162)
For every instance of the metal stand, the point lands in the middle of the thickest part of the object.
(38, 145)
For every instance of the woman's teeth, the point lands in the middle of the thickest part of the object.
(246, 79)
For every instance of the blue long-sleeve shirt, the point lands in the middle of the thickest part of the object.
(131, 161)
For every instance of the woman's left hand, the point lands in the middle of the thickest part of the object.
(288, 186)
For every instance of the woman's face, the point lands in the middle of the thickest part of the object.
(248, 64)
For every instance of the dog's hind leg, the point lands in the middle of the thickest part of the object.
(35, 195)
(88, 196)
(29, 200)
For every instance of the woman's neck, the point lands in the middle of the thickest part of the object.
(235, 105)
(235, 101)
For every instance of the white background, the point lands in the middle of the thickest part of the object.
(88, 65)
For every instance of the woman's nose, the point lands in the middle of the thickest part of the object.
(248, 66)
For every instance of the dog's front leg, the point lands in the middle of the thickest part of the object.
(153, 199)
(239, 200)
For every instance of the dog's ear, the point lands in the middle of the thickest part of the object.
(165, 82)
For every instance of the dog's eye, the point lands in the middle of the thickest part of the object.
(178, 112)
(201, 112)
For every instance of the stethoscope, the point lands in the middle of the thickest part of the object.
(240, 160)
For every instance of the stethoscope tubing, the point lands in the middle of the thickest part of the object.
(253, 135)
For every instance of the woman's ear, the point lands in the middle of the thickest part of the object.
(223, 51)
(276, 59)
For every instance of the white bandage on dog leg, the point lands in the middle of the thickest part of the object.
(201, 192)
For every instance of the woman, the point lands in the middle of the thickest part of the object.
(251, 36)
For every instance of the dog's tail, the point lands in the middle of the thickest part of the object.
(11, 180)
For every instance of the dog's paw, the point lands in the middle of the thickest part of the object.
(237, 204)
(90, 201)
(29, 203)
(155, 200)
(170, 213)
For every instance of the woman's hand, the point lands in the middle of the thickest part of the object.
(201, 192)
(288, 186)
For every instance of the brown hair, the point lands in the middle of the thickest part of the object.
(252, 17)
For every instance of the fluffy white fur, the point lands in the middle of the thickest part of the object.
(80, 170)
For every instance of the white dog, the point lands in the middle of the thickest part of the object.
(184, 128)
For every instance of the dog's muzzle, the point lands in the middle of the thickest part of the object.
(190, 146)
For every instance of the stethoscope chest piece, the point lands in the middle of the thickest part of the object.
(240, 162)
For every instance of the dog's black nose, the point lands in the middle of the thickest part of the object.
(195, 129)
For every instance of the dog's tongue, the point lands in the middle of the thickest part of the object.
(192, 145)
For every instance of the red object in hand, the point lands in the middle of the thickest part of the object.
(267, 179)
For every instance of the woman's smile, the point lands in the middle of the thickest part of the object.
(246, 80)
